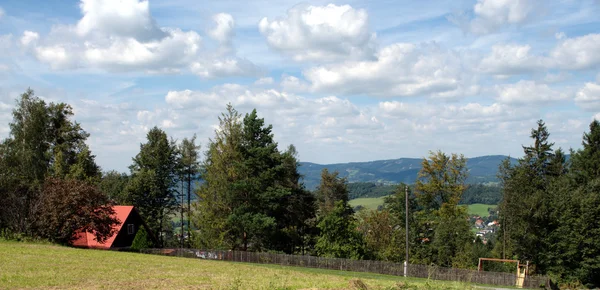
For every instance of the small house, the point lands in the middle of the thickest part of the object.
(130, 222)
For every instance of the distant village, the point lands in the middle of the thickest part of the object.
(485, 227)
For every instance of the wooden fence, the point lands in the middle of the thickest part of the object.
(380, 267)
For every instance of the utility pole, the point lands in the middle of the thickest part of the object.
(406, 229)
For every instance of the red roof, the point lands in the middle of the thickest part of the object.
(88, 240)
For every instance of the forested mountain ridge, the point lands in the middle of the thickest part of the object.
(481, 169)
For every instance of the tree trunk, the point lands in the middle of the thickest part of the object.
(181, 205)
(189, 201)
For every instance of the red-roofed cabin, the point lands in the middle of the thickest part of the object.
(130, 222)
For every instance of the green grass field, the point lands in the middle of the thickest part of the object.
(480, 209)
(27, 265)
(368, 202)
(372, 203)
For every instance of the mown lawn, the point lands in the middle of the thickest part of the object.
(27, 265)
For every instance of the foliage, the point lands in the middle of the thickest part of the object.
(452, 236)
(369, 189)
(113, 184)
(548, 210)
(221, 167)
(189, 167)
(383, 234)
(152, 184)
(438, 189)
(339, 237)
(331, 190)
(480, 193)
(141, 240)
(251, 197)
(43, 142)
(71, 206)
(526, 205)
(441, 180)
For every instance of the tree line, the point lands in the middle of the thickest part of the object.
(474, 193)
(51, 186)
(249, 196)
(550, 208)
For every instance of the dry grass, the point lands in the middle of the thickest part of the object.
(27, 265)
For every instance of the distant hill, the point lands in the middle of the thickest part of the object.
(481, 169)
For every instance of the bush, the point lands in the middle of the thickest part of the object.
(141, 240)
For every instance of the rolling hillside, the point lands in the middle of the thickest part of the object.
(481, 169)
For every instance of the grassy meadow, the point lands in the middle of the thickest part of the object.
(372, 203)
(43, 266)
(480, 209)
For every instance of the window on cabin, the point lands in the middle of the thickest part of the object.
(130, 229)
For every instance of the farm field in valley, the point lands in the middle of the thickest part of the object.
(373, 202)
(480, 209)
(368, 202)
(31, 265)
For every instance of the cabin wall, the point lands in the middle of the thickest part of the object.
(124, 239)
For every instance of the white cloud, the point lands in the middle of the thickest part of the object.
(321, 33)
(29, 37)
(177, 49)
(294, 84)
(578, 53)
(123, 18)
(511, 59)
(491, 15)
(117, 35)
(264, 81)
(224, 68)
(528, 92)
(317, 120)
(2, 13)
(57, 56)
(223, 30)
(401, 69)
(557, 77)
(588, 97)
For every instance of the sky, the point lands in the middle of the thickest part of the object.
(343, 81)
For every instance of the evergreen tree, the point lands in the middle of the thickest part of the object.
(222, 167)
(251, 197)
(331, 190)
(153, 182)
(527, 206)
(141, 240)
(573, 248)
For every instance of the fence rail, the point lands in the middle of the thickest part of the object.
(380, 267)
